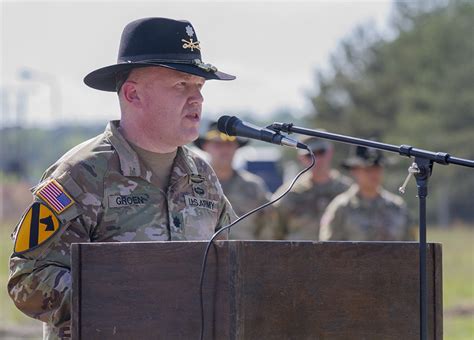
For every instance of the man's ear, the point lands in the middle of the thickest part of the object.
(130, 92)
(305, 161)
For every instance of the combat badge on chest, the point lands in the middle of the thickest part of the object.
(198, 200)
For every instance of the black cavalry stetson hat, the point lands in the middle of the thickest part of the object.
(361, 156)
(156, 42)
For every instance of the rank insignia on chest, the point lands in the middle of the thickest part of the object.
(55, 196)
(37, 226)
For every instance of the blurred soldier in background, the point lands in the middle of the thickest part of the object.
(300, 211)
(366, 212)
(244, 190)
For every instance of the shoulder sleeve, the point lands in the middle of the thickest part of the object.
(66, 205)
(281, 214)
(409, 229)
(62, 213)
(227, 214)
(332, 221)
(40, 280)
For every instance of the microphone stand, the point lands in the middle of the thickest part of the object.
(421, 168)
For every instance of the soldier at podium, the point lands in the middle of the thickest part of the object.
(300, 211)
(135, 182)
(366, 211)
(244, 190)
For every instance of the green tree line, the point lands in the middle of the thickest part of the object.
(414, 88)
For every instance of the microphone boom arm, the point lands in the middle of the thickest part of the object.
(404, 150)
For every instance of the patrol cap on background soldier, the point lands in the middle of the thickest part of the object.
(317, 145)
(134, 182)
(300, 211)
(324, 152)
(366, 211)
(244, 190)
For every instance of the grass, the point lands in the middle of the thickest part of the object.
(458, 283)
(459, 328)
(458, 264)
(458, 280)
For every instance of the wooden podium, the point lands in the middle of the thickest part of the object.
(253, 290)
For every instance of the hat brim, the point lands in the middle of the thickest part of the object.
(314, 150)
(351, 163)
(104, 78)
(200, 142)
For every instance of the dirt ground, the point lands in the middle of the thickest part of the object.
(21, 332)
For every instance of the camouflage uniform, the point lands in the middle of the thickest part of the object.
(351, 217)
(114, 201)
(300, 211)
(245, 192)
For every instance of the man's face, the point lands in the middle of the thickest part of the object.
(221, 152)
(323, 160)
(369, 177)
(169, 103)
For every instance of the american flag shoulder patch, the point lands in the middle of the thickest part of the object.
(55, 196)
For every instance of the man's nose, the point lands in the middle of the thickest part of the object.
(196, 97)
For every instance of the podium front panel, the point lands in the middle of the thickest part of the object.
(254, 290)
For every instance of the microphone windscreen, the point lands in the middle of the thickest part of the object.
(222, 123)
(227, 124)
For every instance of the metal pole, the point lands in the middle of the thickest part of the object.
(425, 168)
(423, 290)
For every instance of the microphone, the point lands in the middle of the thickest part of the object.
(233, 126)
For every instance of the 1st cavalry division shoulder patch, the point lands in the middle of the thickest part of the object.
(37, 226)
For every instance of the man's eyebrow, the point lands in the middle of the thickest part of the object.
(189, 77)
(184, 76)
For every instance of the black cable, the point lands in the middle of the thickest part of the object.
(204, 260)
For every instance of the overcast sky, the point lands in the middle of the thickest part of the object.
(272, 47)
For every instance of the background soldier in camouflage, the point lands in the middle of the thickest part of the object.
(366, 212)
(244, 190)
(300, 211)
(134, 182)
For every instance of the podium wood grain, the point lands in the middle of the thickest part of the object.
(253, 290)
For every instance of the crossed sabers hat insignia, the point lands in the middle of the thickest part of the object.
(191, 44)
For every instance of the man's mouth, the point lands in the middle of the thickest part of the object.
(193, 116)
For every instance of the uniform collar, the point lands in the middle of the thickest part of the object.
(361, 201)
(185, 165)
(130, 164)
(304, 183)
(129, 161)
